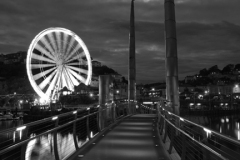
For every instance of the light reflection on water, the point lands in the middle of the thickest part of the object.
(42, 148)
(227, 125)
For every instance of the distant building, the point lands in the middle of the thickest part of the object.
(96, 64)
(94, 81)
(189, 79)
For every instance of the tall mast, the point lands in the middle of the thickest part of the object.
(132, 62)
(172, 93)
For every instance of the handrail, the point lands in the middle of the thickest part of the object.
(42, 120)
(214, 142)
(203, 145)
(46, 132)
(88, 125)
(200, 126)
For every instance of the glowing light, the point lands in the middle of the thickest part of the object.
(91, 134)
(191, 104)
(54, 118)
(91, 94)
(42, 100)
(88, 108)
(74, 112)
(169, 113)
(222, 120)
(117, 91)
(207, 130)
(227, 120)
(20, 128)
(181, 119)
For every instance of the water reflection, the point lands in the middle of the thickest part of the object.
(227, 125)
(43, 147)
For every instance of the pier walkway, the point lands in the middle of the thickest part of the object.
(134, 137)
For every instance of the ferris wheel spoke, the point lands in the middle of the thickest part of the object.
(42, 74)
(65, 40)
(58, 35)
(69, 47)
(78, 69)
(75, 82)
(52, 41)
(82, 62)
(41, 58)
(82, 79)
(35, 66)
(75, 57)
(52, 84)
(73, 51)
(44, 51)
(63, 79)
(47, 80)
(47, 45)
(69, 82)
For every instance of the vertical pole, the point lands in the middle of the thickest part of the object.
(24, 146)
(88, 128)
(55, 147)
(172, 94)
(104, 97)
(132, 64)
(74, 132)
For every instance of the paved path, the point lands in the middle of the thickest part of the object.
(135, 138)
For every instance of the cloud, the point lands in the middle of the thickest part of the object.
(208, 31)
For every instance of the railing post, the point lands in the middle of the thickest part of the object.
(114, 112)
(55, 147)
(161, 124)
(183, 155)
(74, 131)
(24, 146)
(165, 134)
(88, 131)
(171, 140)
(99, 118)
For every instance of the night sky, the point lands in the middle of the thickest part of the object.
(208, 31)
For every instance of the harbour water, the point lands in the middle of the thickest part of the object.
(228, 125)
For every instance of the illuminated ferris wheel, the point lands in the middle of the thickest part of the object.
(57, 58)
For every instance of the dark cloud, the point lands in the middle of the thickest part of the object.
(208, 31)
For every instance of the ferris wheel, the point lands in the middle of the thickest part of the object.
(57, 58)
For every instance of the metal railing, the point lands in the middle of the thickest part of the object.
(192, 141)
(60, 136)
